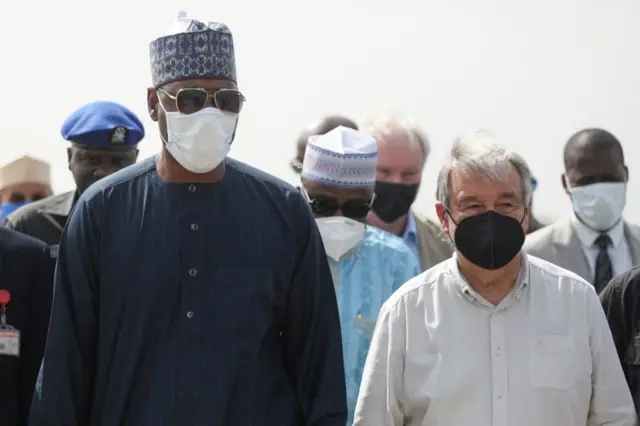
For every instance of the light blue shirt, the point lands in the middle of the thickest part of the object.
(364, 280)
(410, 236)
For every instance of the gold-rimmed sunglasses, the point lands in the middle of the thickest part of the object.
(190, 100)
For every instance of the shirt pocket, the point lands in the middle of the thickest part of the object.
(552, 362)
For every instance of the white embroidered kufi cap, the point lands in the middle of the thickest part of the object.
(343, 157)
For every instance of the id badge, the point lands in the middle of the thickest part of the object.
(9, 341)
(53, 251)
(9, 336)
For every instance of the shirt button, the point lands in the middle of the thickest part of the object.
(193, 272)
(189, 314)
(499, 396)
(498, 351)
(194, 227)
(192, 188)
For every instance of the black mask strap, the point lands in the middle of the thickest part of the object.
(451, 216)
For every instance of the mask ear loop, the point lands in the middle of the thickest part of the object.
(527, 209)
(304, 192)
(373, 198)
(451, 216)
(524, 215)
(235, 129)
(158, 91)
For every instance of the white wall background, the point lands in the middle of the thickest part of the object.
(531, 72)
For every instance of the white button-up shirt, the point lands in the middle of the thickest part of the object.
(442, 355)
(619, 252)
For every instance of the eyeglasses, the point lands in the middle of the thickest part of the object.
(324, 205)
(192, 100)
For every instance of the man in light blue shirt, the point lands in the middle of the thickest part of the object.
(367, 264)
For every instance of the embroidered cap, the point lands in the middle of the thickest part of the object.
(103, 124)
(343, 157)
(193, 49)
(25, 169)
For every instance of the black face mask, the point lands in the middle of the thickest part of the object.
(393, 200)
(489, 240)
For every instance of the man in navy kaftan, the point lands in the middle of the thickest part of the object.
(192, 289)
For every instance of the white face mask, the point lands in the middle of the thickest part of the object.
(200, 141)
(339, 235)
(600, 205)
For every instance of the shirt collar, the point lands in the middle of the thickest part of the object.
(410, 232)
(522, 282)
(587, 236)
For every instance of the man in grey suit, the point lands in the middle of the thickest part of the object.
(595, 242)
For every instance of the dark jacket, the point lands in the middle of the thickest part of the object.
(621, 303)
(44, 219)
(26, 271)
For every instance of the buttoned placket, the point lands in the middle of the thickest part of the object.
(193, 227)
(499, 367)
(191, 275)
(499, 356)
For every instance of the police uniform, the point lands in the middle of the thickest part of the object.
(97, 125)
(44, 219)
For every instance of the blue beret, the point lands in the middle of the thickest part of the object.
(103, 124)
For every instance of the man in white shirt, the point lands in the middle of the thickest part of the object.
(491, 337)
(594, 242)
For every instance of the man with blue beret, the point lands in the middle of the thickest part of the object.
(104, 137)
(191, 288)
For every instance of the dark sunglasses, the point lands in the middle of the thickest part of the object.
(192, 100)
(324, 205)
(18, 197)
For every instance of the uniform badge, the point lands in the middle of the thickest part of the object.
(119, 135)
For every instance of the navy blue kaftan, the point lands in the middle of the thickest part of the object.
(192, 305)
